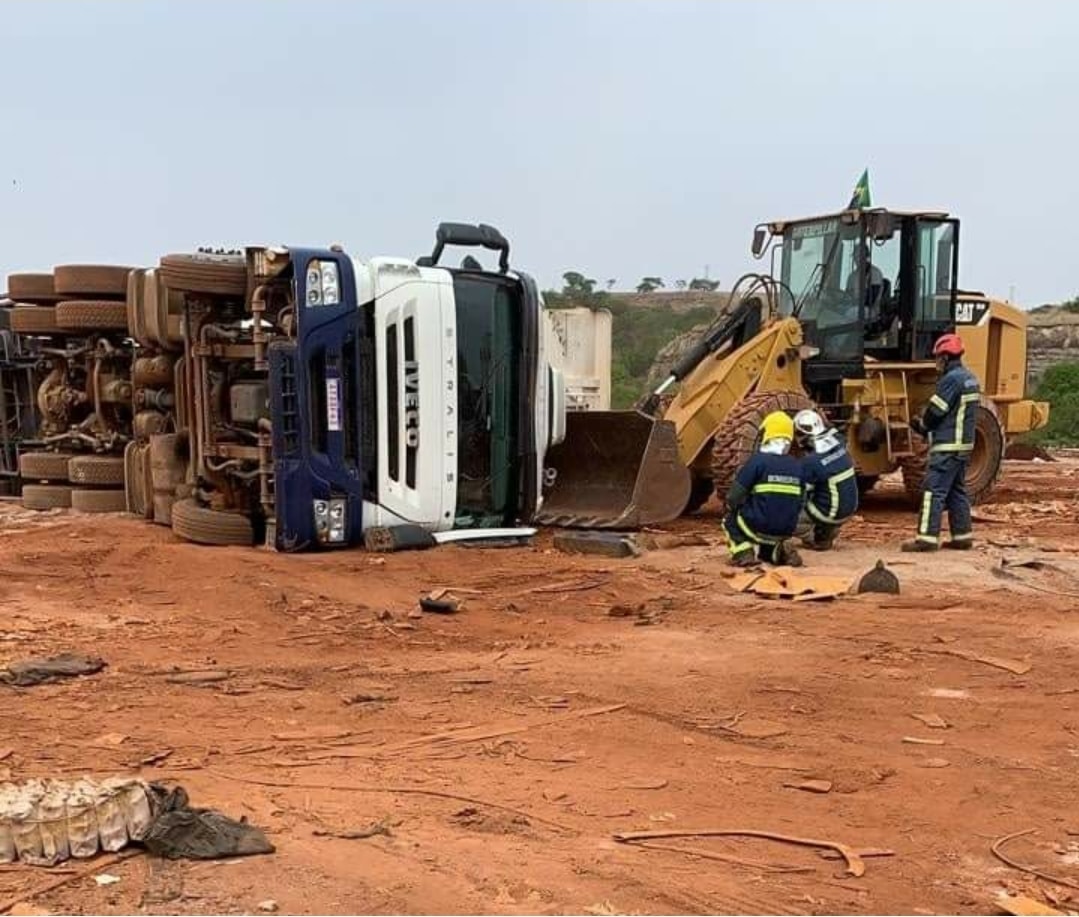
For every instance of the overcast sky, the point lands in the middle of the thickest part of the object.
(619, 139)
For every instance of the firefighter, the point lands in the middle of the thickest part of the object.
(831, 485)
(948, 425)
(765, 500)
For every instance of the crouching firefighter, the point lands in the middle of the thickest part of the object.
(765, 500)
(948, 425)
(831, 485)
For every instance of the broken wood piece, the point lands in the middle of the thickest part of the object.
(997, 849)
(644, 784)
(855, 866)
(935, 763)
(1022, 906)
(932, 720)
(721, 857)
(95, 866)
(1009, 665)
(356, 834)
(915, 740)
(209, 676)
(811, 786)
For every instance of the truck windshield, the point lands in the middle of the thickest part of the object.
(822, 268)
(488, 356)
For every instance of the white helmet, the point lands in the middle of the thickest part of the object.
(809, 423)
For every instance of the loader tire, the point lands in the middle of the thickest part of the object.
(222, 275)
(96, 470)
(86, 281)
(31, 288)
(44, 466)
(34, 320)
(46, 496)
(736, 439)
(210, 526)
(91, 315)
(985, 459)
(98, 501)
(700, 492)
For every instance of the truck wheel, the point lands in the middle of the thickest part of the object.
(91, 315)
(700, 491)
(34, 320)
(985, 459)
(31, 288)
(210, 526)
(223, 275)
(736, 438)
(44, 466)
(98, 501)
(45, 496)
(96, 470)
(89, 280)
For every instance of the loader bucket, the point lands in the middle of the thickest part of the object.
(614, 470)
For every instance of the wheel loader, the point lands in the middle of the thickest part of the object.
(845, 322)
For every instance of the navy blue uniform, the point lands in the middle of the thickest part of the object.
(772, 491)
(831, 485)
(949, 421)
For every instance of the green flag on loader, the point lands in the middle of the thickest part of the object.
(860, 198)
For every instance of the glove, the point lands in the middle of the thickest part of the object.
(917, 426)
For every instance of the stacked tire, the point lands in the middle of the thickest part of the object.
(74, 300)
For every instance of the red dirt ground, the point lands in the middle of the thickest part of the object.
(342, 702)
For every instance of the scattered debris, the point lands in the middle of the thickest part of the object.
(105, 878)
(643, 784)
(605, 544)
(665, 541)
(934, 762)
(1009, 665)
(879, 579)
(811, 786)
(1027, 452)
(375, 829)
(932, 720)
(439, 606)
(204, 677)
(181, 832)
(29, 672)
(406, 537)
(855, 866)
(1022, 906)
(269, 906)
(997, 849)
(788, 583)
(915, 740)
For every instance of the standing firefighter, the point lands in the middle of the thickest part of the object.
(948, 425)
(766, 498)
(831, 485)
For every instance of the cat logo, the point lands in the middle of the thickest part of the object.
(971, 311)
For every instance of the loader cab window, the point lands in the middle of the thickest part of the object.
(488, 355)
(822, 267)
(935, 282)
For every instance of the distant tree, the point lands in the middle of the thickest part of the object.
(680, 284)
(649, 284)
(576, 284)
(702, 284)
(611, 282)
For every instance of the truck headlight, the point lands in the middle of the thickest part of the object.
(323, 284)
(330, 518)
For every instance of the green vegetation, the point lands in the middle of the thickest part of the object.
(1070, 305)
(1060, 387)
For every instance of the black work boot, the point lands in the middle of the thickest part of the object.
(786, 554)
(918, 546)
(959, 544)
(743, 558)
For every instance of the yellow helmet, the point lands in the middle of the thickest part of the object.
(777, 425)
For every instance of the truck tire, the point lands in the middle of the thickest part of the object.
(90, 280)
(210, 526)
(34, 320)
(96, 470)
(44, 466)
(46, 496)
(985, 460)
(223, 275)
(31, 288)
(91, 315)
(98, 501)
(736, 438)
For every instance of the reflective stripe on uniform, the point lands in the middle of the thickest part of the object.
(760, 539)
(952, 447)
(963, 536)
(929, 539)
(792, 490)
(960, 416)
(833, 496)
(927, 507)
(939, 403)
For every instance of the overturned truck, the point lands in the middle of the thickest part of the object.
(300, 397)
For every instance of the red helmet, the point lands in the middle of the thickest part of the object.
(950, 345)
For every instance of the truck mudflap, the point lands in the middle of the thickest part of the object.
(614, 470)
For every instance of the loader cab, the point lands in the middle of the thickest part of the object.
(867, 283)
